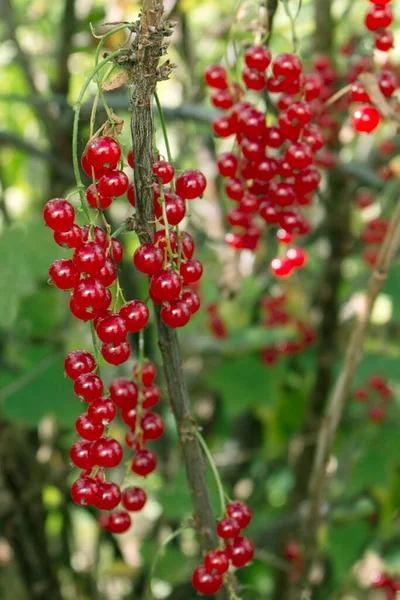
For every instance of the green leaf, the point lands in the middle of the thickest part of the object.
(346, 544)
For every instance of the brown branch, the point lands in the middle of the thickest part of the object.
(342, 387)
(147, 47)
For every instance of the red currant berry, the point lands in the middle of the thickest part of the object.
(224, 126)
(251, 123)
(358, 93)
(107, 274)
(144, 462)
(281, 267)
(147, 373)
(81, 454)
(298, 156)
(64, 274)
(97, 200)
(192, 300)
(102, 153)
(274, 137)
(216, 560)
(228, 528)
(59, 214)
(81, 312)
(135, 314)
(175, 314)
(313, 137)
(117, 250)
(191, 271)
(116, 354)
(378, 17)
(258, 57)
(102, 411)
(163, 170)
(124, 393)
(129, 418)
(240, 551)
(151, 395)
(89, 258)
(69, 239)
(118, 521)
(216, 77)
(84, 491)
(133, 498)
(107, 453)
(241, 512)
(90, 293)
(227, 164)
(77, 363)
(297, 257)
(87, 429)
(109, 496)
(175, 208)
(387, 83)
(111, 329)
(307, 181)
(287, 65)
(152, 427)
(130, 194)
(222, 99)
(148, 259)
(114, 183)
(377, 414)
(165, 285)
(366, 119)
(234, 189)
(312, 86)
(384, 40)
(130, 158)
(205, 582)
(253, 79)
(99, 235)
(89, 387)
(190, 184)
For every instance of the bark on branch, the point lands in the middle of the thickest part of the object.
(147, 47)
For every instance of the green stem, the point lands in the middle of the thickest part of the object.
(164, 215)
(96, 347)
(163, 127)
(159, 552)
(120, 230)
(214, 469)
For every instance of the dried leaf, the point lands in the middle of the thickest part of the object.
(118, 81)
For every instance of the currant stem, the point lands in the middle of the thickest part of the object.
(96, 347)
(163, 127)
(214, 469)
(120, 230)
(159, 552)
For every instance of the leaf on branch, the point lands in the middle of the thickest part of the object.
(370, 83)
(123, 78)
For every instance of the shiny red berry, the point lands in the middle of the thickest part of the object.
(227, 164)
(118, 521)
(59, 214)
(175, 313)
(287, 65)
(111, 328)
(102, 411)
(366, 119)
(63, 274)
(89, 258)
(84, 491)
(258, 57)
(190, 184)
(130, 158)
(69, 239)
(103, 153)
(144, 462)
(192, 300)
(191, 271)
(148, 259)
(116, 353)
(216, 77)
(114, 183)
(99, 235)
(165, 285)
(109, 496)
(135, 314)
(151, 395)
(163, 170)
(378, 17)
(206, 582)
(222, 99)
(147, 373)
(96, 199)
(133, 498)
(107, 453)
(90, 294)
(87, 429)
(107, 274)
(152, 426)
(240, 551)
(281, 267)
(78, 362)
(224, 126)
(81, 454)
(241, 512)
(216, 560)
(89, 387)
(384, 40)
(228, 528)
(253, 79)
(124, 393)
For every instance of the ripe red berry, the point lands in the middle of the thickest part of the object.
(377, 413)
(84, 491)
(378, 17)
(114, 183)
(216, 77)
(384, 40)
(312, 86)
(366, 119)
(292, 550)
(297, 257)
(134, 498)
(298, 156)
(116, 354)
(89, 258)
(191, 271)
(376, 381)
(152, 426)
(135, 314)
(107, 274)
(107, 453)
(111, 328)
(175, 208)
(124, 393)
(192, 300)
(205, 582)
(227, 164)
(175, 313)
(147, 373)
(224, 126)
(358, 93)
(361, 395)
(151, 394)
(89, 387)
(99, 235)
(64, 274)
(287, 65)
(148, 259)
(216, 560)
(96, 199)
(165, 285)
(103, 154)
(228, 528)
(102, 411)
(77, 363)
(241, 512)
(130, 194)
(69, 239)
(281, 267)
(258, 57)
(387, 83)
(117, 250)
(129, 418)
(163, 170)
(118, 521)
(307, 181)
(144, 462)
(59, 214)
(253, 79)
(130, 158)
(109, 496)
(222, 99)
(190, 184)
(240, 551)
(87, 429)
(251, 123)
(81, 454)
(90, 294)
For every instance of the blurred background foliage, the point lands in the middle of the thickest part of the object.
(252, 416)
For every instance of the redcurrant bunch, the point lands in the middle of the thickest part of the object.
(376, 393)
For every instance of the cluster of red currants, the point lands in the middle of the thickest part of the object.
(273, 174)
(238, 551)
(97, 450)
(373, 235)
(377, 390)
(294, 553)
(276, 315)
(383, 581)
(216, 324)
(378, 18)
